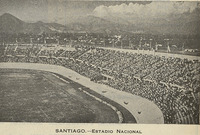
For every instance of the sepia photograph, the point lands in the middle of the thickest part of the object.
(125, 62)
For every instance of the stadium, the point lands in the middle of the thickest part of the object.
(83, 84)
(100, 61)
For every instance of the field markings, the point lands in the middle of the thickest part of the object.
(44, 113)
(60, 78)
(119, 114)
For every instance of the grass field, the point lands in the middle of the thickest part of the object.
(38, 96)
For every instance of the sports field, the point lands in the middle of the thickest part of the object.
(39, 96)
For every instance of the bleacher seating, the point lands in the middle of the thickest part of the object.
(171, 83)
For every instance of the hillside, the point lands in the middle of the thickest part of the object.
(182, 24)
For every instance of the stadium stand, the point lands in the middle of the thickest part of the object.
(172, 83)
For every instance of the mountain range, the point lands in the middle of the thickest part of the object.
(176, 24)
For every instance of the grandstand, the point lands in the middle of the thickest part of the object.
(170, 81)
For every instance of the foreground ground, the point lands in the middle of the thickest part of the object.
(38, 96)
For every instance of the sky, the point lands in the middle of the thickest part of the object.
(50, 10)
(64, 11)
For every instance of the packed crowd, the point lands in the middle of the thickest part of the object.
(171, 83)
